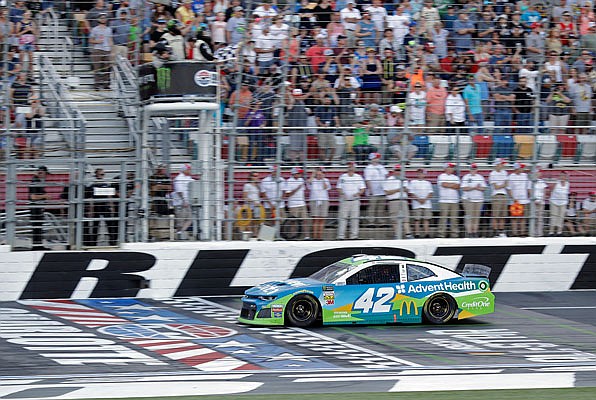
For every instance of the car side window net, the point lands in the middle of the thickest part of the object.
(417, 272)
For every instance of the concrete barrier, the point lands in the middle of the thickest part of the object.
(157, 270)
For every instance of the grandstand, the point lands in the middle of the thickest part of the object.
(125, 102)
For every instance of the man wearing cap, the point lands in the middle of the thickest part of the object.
(449, 185)
(497, 180)
(396, 192)
(349, 17)
(350, 187)
(319, 187)
(524, 101)
(589, 214)
(472, 95)
(37, 197)
(101, 43)
(416, 103)
(374, 176)
(535, 43)
(519, 189)
(181, 200)
(272, 187)
(557, 202)
(294, 194)
(326, 119)
(297, 119)
(473, 187)
(366, 31)
(265, 48)
(236, 26)
(581, 95)
(421, 192)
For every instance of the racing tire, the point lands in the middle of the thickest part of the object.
(439, 309)
(302, 311)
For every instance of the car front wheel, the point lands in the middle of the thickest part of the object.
(302, 311)
(439, 309)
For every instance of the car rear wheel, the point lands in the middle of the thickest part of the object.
(439, 309)
(302, 311)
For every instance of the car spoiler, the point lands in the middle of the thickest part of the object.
(476, 271)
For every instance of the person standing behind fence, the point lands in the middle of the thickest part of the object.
(102, 206)
(421, 192)
(319, 187)
(396, 192)
(251, 194)
(448, 184)
(589, 213)
(473, 187)
(539, 197)
(374, 176)
(181, 200)
(497, 180)
(37, 197)
(351, 187)
(519, 189)
(294, 193)
(120, 29)
(101, 42)
(272, 187)
(559, 198)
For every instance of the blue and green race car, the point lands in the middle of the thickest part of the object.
(365, 289)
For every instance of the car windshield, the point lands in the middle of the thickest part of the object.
(331, 272)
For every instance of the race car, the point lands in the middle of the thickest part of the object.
(365, 289)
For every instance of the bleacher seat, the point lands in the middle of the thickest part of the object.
(423, 144)
(464, 147)
(484, 145)
(547, 147)
(586, 148)
(524, 146)
(567, 145)
(440, 146)
(503, 146)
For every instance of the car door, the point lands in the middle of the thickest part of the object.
(417, 282)
(372, 291)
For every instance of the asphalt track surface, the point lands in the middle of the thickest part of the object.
(188, 346)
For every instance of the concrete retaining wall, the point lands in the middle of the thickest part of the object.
(156, 270)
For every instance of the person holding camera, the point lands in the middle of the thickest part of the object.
(559, 108)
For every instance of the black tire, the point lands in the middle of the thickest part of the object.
(439, 309)
(302, 311)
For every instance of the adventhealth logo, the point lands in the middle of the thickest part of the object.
(442, 286)
(401, 289)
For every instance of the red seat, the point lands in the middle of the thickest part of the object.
(484, 145)
(568, 145)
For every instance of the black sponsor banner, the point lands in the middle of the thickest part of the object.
(181, 78)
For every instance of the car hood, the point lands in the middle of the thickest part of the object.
(275, 288)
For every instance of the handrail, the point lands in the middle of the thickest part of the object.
(59, 93)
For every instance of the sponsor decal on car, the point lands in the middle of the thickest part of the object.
(478, 302)
(442, 286)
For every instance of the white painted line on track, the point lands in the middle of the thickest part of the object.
(559, 308)
(326, 338)
(395, 375)
(485, 382)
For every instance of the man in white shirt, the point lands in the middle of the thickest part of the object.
(396, 191)
(181, 200)
(378, 15)
(374, 176)
(421, 192)
(319, 187)
(589, 214)
(473, 187)
(265, 48)
(349, 18)
(519, 189)
(265, 12)
(351, 187)
(539, 197)
(557, 202)
(399, 22)
(272, 187)
(294, 193)
(497, 180)
(448, 184)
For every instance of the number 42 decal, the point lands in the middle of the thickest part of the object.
(379, 301)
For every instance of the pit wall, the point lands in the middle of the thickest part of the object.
(160, 270)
